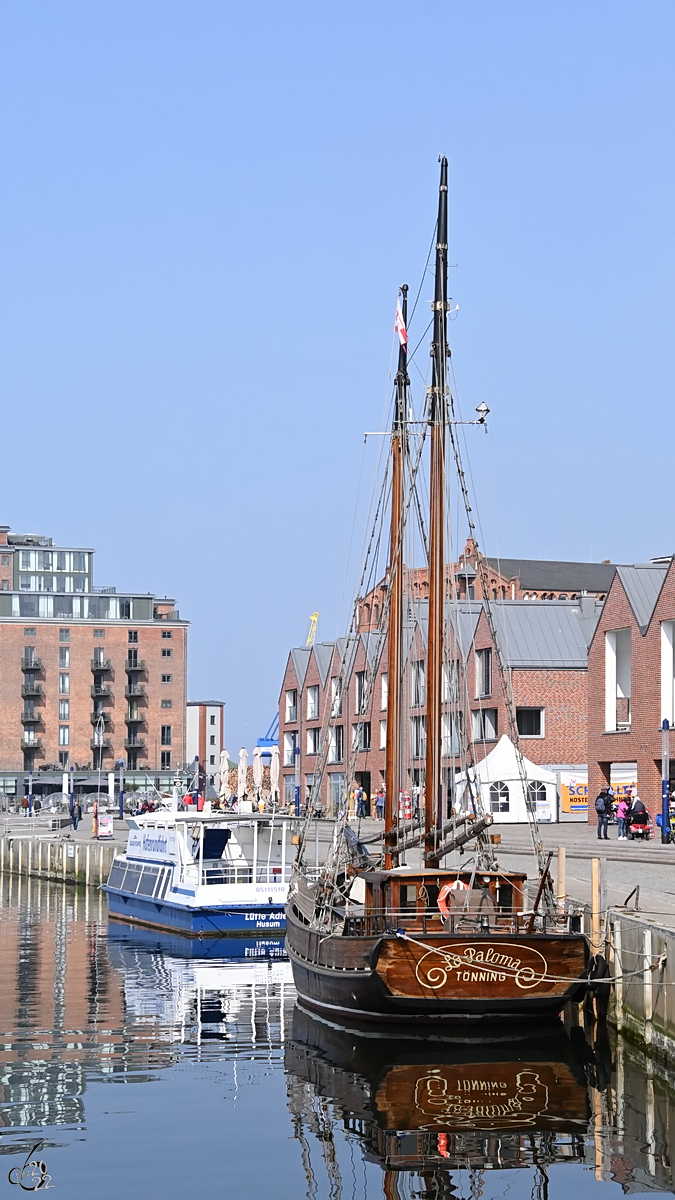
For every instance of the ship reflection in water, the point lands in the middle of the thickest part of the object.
(218, 1044)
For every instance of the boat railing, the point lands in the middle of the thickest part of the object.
(218, 874)
(361, 923)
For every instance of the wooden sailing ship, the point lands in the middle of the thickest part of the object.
(384, 941)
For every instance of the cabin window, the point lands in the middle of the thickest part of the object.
(499, 797)
(408, 895)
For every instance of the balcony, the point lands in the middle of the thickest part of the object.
(139, 719)
(31, 689)
(135, 691)
(31, 718)
(103, 665)
(134, 743)
(98, 693)
(31, 664)
(104, 744)
(134, 665)
(30, 743)
(95, 717)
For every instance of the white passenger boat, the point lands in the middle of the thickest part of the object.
(204, 875)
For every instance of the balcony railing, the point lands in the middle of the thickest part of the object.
(102, 664)
(133, 743)
(31, 689)
(98, 693)
(95, 717)
(104, 744)
(31, 718)
(30, 743)
(135, 690)
(31, 664)
(131, 665)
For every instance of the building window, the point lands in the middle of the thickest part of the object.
(530, 722)
(64, 656)
(383, 734)
(484, 725)
(336, 787)
(167, 703)
(360, 691)
(167, 633)
(5, 585)
(292, 705)
(64, 635)
(419, 737)
(418, 683)
(313, 703)
(99, 655)
(99, 633)
(29, 631)
(133, 636)
(336, 744)
(166, 653)
(212, 720)
(212, 740)
(450, 681)
(361, 736)
(165, 759)
(289, 790)
(384, 682)
(617, 680)
(64, 685)
(166, 735)
(484, 672)
(336, 696)
(166, 678)
(63, 758)
(451, 724)
(64, 710)
(314, 740)
(290, 743)
(212, 761)
(64, 735)
(499, 797)
(5, 560)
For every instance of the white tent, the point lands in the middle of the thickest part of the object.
(501, 789)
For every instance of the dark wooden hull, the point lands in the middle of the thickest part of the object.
(437, 978)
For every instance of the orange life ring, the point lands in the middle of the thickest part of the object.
(457, 886)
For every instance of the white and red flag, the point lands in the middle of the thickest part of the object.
(399, 326)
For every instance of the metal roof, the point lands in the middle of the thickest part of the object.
(544, 633)
(642, 585)
(543, 575)
(323, 652)
(300, 656)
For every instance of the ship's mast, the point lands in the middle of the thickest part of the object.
(395, 643)
(437, 420)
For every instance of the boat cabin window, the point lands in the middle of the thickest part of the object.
(408, 895)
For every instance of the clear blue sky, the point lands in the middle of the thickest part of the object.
(205, 211)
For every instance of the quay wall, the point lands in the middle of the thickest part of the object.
(62, 861)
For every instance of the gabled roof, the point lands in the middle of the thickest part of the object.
(323, 653)
(642, 585)
(555, 576)
(544, 633)
(300, 656)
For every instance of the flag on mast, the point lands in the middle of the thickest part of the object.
(399, 326)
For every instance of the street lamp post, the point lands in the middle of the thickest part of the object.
(665, 781)
(30, 793)
(121, 789)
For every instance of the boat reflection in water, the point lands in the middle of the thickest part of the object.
(430, 1105)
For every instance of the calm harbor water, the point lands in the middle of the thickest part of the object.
(150, 1073)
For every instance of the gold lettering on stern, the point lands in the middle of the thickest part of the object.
(466, 1102)
(478, 963)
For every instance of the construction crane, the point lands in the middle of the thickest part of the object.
(313, 622)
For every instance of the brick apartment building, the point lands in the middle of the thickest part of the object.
(334, 695)
(631, 678)
(89, 677)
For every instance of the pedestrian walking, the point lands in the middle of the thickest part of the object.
(603, 807)
(24, 806)
(622, 811)
(77, 814)
(361, 808)
(379, 803)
